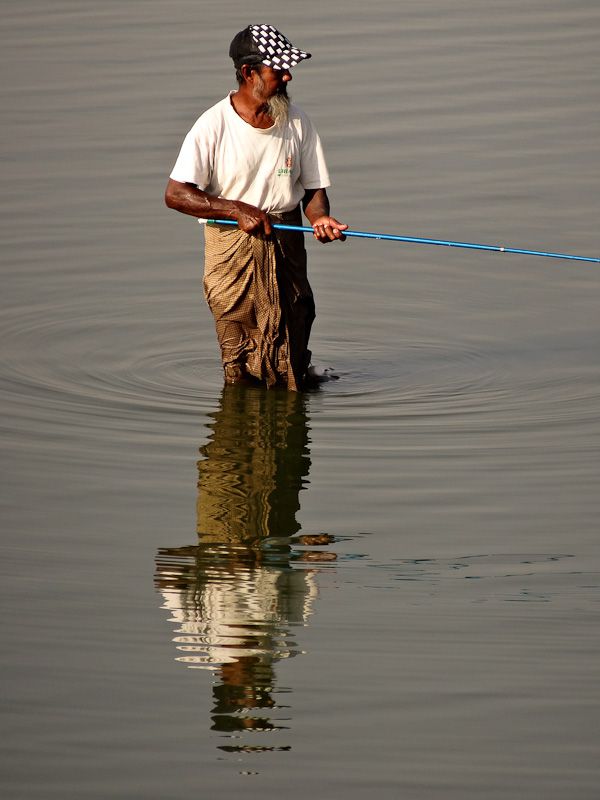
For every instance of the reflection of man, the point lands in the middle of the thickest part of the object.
(255, 158)
(235, 594)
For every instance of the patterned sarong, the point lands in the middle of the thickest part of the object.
(258, 291)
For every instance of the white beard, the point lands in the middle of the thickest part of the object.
(277, 106)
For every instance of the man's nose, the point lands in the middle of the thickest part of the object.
(287, 76)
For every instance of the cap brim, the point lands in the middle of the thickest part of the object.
(286, 59)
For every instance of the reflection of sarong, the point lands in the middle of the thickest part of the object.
(258, 291)
(255, 464)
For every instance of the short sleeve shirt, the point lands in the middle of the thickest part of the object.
(269, 168)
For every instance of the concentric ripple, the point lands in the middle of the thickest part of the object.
(424, 379)
(81, 359)
(106, 361)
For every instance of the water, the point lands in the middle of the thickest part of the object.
(389, 585)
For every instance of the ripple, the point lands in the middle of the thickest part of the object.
(429, 381)
(494, 577)
(123, 362)
(79, 359)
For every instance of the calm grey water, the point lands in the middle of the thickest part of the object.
(388, 587)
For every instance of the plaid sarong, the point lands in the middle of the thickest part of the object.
(258, 291)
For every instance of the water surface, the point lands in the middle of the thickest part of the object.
(388, 585)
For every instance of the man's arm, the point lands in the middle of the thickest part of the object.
(316, 208)
(188, 199)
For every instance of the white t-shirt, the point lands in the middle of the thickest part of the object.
(269, 168)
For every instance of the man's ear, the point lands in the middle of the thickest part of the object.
(247, 70)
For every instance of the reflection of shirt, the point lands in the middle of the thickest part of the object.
(269, 168)
(240, 613)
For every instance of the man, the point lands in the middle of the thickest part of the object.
(254, 158)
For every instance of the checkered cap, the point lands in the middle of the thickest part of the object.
(266, 45)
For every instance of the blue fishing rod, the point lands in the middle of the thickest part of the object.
(419, 240)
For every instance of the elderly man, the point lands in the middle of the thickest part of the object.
(254, 157)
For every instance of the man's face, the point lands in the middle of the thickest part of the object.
(270, 88)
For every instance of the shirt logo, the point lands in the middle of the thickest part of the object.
(287, 170)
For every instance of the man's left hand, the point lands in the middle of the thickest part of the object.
(328, 229)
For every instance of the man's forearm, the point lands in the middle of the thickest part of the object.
(188, 199)
(315, 204)
(316, 207)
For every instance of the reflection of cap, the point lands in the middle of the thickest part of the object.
(264, 44)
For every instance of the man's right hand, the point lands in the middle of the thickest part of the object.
(251, 219)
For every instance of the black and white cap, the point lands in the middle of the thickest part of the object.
(264, 44)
